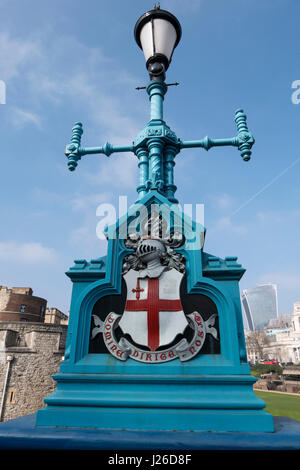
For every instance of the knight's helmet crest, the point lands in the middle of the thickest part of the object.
(154, 241)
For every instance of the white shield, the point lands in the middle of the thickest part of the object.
(153, 313)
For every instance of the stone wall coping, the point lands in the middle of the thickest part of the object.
(29, 323)
(20, 350)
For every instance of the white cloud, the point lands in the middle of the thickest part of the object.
(279, 217)
(84, 235)
(89, 201)
(85, 239)
(81, 234)
(224, 201)
(93, 82)
(33, 252)
(107, 107)
(47, 70)
(285, 279)
(16, 54)
(46, 196)
(226, 224)
(20, 118)
(95, 86)
(120, 171)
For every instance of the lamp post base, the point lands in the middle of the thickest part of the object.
(157, 403)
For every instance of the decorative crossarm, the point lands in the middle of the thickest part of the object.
(157, 145)
(244, 139)
(74, 151)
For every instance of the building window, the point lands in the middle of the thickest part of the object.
(11, 395)
(23, 308)
(42, 309)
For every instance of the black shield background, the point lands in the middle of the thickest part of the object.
(190, 302)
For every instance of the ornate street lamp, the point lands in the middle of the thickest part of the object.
(157, 32)
(155, 338)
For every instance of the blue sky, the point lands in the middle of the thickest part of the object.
(67, 61)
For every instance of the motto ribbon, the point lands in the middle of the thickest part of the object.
(183, 350)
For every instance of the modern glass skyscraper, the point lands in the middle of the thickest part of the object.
(260, 305)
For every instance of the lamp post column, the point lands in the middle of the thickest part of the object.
(155, 147)
(156, 91)
(143, 157)
(169, 163)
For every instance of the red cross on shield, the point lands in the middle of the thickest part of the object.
(153, 314)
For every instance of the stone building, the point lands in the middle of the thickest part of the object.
(288, 381)
(19, 304)
(280, 343)
(30, 353)
(291, 378)
(55, 316)
(295, 320)
(284, 346)
(282, 324)
(32, 343)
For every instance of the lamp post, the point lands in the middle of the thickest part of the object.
(155, 337)
(158, 32)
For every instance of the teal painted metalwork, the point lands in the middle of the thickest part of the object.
(157, 145)
(169, 163)
(156, 91)
(211, 392)
(143, 156)
(245, 139)
(72, 150)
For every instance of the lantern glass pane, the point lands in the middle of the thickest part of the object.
(164, 37)
(147, 40)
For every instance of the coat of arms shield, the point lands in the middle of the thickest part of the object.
(153, 325)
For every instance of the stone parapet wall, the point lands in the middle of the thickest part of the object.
(37, 350)
(287, 386)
